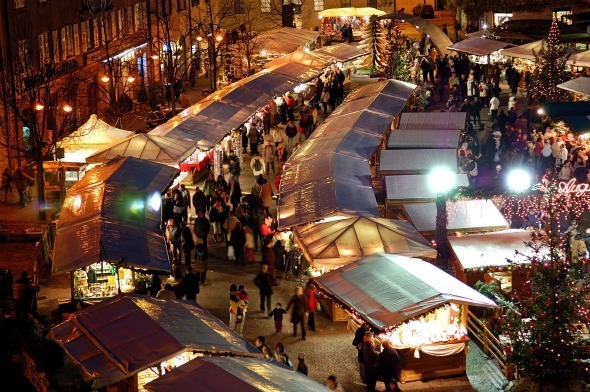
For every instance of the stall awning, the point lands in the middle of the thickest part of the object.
(580, 59)
(342, 52)
(579, 85)
(387, 290)
(491, 249)
(311, 191)
(415, 187)
(123, 335)
(435, 120)
(144, 146)
(113, 214)
(526, 51)
(350, 11)
(310, 59)
(478, 46)
(222, 374)
(416, 161)
(423, 138)
(343, 241)
(92, 136)
(284, 40)
(465, 215)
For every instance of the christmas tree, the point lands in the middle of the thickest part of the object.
(550, 68)
(397, 55)
(546, 344)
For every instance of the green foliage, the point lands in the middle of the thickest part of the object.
(473, 9)
(545, 341)
(551, 69)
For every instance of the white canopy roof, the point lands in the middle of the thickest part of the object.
(579, 85)
(416, 161)
(343, 241)
(478, 46)
(410, 187)
(284, 39)
(526, 51)
(581, 59)
(423, 138)
(90, 137)
(491, 249)
(387, 290)
(464, 215)
(350, 11)
(434, 120)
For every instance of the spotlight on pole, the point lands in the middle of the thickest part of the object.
(518, 180)
(441, 179)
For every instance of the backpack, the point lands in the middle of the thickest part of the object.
(257, 165)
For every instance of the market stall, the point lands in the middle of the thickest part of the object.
(579, 85)
(329, 174)
(435, 120)
(333, 19)
(480, 50)
(127, 341)
(497, 256)
(463, 216)
(423, 138)
(89, 138)
(524, 55)
(283, 40)
(109, 224)
(416, 161)
(59, 177)
(419, 308)
(221, 374)
(568, 117)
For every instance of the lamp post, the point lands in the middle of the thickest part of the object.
(442, 181)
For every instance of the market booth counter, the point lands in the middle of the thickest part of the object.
(419, 308)
(109, 228)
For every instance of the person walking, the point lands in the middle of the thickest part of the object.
(266, 194)
(277, 314)
(243, 310)
(235, 192)
(235, 303)
(357, 342)
(312, 303)
(187, 243)
(268, 154)
(190, 285)
(200, 199)
(494, 106)
(291, 132)
(202, 229)
(264, 281)
(370, 361)
(238, 239)
(209, 189)
(299, 304)
(201, 263)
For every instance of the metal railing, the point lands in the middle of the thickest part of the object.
(490, 344)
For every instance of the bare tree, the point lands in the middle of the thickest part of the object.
(245, 36)
(40, 104)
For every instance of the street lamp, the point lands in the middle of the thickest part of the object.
(39, 106)
(67, 108)
(441, 180)
(105, 78)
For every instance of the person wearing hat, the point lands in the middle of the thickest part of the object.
(370, 361)
(301, 366)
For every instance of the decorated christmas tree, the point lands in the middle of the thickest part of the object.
(545, 330)
(397, 57)
(550, 68)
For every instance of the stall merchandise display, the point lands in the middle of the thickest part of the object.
(100, 280)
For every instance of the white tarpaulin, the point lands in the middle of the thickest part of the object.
(416, 161)
(434, 120)
(423, 138)
(343, 241)
(579, 85)
(284, 40)
(478, 46)
(387, 290)
(405, 188)
(527, 51)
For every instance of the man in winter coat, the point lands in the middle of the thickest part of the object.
(186, 243)
(235, 192)
(190, 284)
(209, 189)
(200, 201)
(253, 139)
(299, 304)
(370, 361)
(264, 281)
(388, 362)
(202, 228)
(291, 131)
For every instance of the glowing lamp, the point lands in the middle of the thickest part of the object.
(518, 180)
(67, 108)
(441, 179)
(39, 106)
(199, 38)
(105, 78)
(219, 38)
(155, 202)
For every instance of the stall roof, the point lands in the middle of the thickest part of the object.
(343, 241)
(310, 59)
(221, 374)
(465, 215)
(579, 85)
(387, 290)
(342, 52)
(124, 335)
(284, 39)
(434, 120)
(144, 146)
(113, 214)
(491, 249)
(416, 161)
(308, 194)
(526, 51)
(90, 137)
(423, 138)
(415, 187)
(581, 59)
(478, 46)
(350, 11)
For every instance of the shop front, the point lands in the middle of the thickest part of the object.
(419, 308)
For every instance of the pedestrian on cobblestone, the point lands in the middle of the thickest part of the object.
(370, 360)
(388, 362)
(277, 315)
(299, 312)
(264, 281)
(312, 303)
(235, 304)
(357, 342)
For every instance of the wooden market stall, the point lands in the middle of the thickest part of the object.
(419, 308)
(416, 161)
(435, 120)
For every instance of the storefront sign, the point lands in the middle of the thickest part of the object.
(565, 188)
(50, 73)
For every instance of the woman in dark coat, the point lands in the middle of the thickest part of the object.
(299, 304)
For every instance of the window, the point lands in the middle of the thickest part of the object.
(19, 3)
(239, 7)
(76, 39)
(166, 6)
(43, 41)
(120, 21)
(96, 26)
(372, 3)
(139, 14)
(85, 35)
(265, 6)
(561, 14)
(297, 6)
(345, 3)
(129, 14)
(114, 27)
(318, 5)
(180, 5)
(55, 46)
(67, 42)
(23, 53)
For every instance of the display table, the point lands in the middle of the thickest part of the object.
(436, 360)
